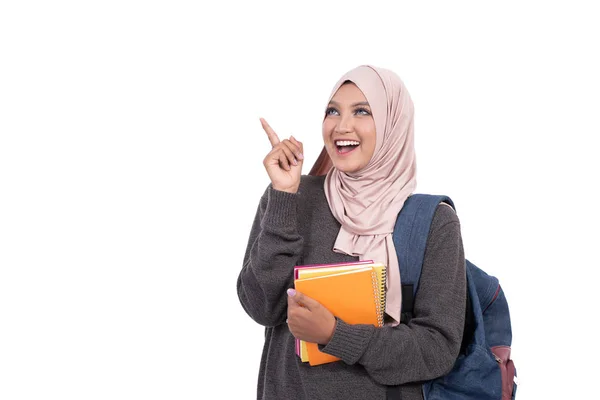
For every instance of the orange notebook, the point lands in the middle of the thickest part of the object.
(354, 296)
(309, 271)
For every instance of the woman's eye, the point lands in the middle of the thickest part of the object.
(362, 111)
(331, 111)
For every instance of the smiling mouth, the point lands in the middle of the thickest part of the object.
(346, 146)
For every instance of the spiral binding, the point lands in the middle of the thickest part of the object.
(379, 291)
(382, 292)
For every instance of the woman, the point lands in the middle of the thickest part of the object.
(347, 215)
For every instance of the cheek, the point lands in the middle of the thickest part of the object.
(368, 133)
(369, 139)
(327, 128)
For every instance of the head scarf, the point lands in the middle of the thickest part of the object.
(367, 202)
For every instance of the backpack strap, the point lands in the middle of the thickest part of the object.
(410, 239)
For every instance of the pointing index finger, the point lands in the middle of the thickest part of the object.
(273, 138)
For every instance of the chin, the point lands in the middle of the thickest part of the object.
(343, 165)
(346, 167)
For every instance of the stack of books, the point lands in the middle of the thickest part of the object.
(353, 292)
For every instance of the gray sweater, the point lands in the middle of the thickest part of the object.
(294, 229)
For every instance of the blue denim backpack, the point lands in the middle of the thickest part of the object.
(483, 369)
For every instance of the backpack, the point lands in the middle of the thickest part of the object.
(483, 369)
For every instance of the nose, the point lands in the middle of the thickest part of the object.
(344, 124)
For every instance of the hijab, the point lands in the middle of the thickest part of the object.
(367, 202)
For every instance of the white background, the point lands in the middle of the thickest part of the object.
(131, 167)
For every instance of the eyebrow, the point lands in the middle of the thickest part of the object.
(360, 103)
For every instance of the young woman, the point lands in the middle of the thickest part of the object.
(346, 215)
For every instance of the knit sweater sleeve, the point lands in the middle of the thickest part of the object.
(428, 345)
(274, 247)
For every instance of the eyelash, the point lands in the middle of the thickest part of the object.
(330, 110)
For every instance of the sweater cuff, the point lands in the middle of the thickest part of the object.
(281, 208)
(349, 342)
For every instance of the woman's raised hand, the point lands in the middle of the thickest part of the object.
(284, 161)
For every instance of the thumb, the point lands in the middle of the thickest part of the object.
(301, 300)
(292, 303)
(300, 146)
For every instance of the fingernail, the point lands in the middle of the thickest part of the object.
(300, 156)
(291, 292)
(295, 162)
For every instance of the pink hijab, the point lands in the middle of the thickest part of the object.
(367, 202)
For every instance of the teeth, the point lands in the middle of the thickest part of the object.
(347, 143)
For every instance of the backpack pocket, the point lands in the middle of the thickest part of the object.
(507, 370)
(475, 375)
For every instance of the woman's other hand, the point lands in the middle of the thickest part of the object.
(284, 161)
(308, 320)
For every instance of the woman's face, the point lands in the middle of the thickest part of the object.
(349, 129)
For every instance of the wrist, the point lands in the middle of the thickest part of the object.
(292, 190)
(331, 332)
